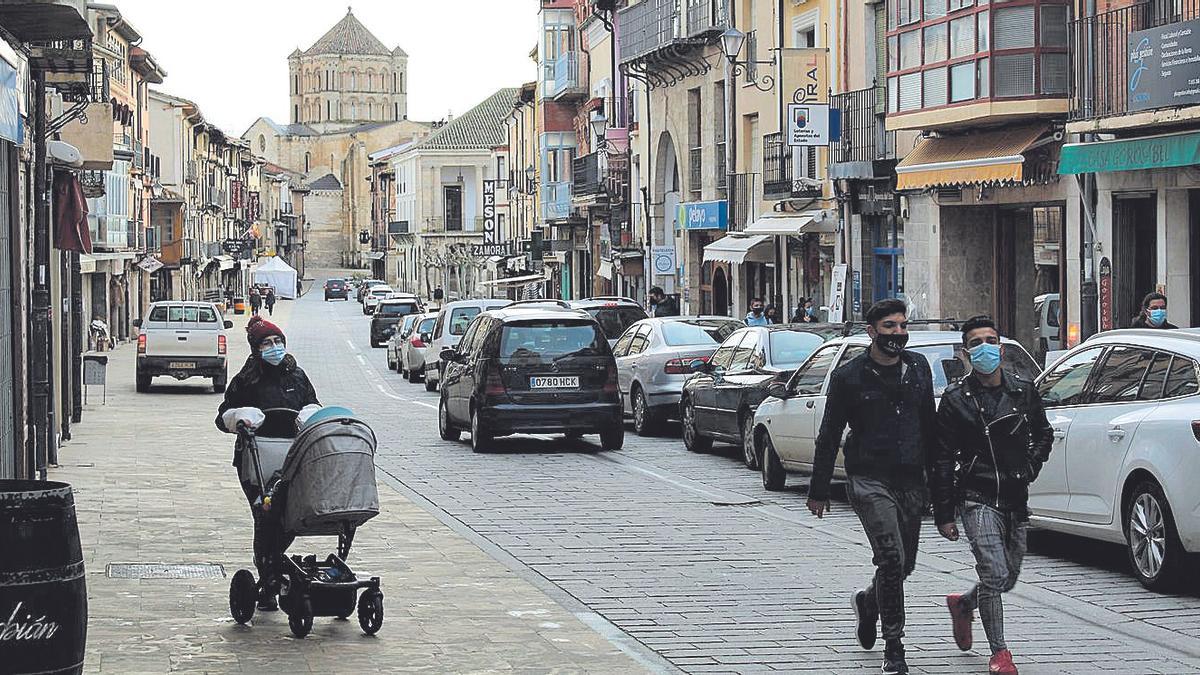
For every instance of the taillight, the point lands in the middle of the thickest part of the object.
(141, 343)
(495, 384)
(221, 344)
(610, 380)
(681, 366)
(416, 342)
(1196, 429)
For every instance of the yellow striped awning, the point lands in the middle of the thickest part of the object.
(985, 157)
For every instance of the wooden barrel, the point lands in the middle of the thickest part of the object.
(43, 595)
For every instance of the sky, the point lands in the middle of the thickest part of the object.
(230, 56)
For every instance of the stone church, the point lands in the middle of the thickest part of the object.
(349, 98)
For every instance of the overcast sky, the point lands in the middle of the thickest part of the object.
(230, 56)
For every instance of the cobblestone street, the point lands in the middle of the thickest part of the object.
(680, 560)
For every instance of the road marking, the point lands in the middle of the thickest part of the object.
(361, 359)
(351, 343)
(389, 394)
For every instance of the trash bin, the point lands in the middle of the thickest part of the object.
(95, 372)
(239, 305)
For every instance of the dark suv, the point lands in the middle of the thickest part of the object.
(336, 288)
(613, 313)
(532, 367)
(388, 315)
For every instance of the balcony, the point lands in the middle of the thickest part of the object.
(705, 17)
(190, 172)
(556, 201)
(781, 180)
(45, 19)
(567, 84)
(1101, 60)
(864, 139)
(743, 189)
(139, 156)
(586, 176)
(652, 25)
(696, 172)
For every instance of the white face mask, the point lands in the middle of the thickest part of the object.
(274, 354)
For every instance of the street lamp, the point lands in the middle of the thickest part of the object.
(529, 177)
(599, 124)
(732, 41)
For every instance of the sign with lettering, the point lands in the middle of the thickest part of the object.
(806, 74)
(808, 124)
(1164, 66)
(663, 260)
(1106, 307)
(703, 215)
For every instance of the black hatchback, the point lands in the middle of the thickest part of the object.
(532, 367)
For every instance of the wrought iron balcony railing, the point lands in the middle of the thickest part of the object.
(864, 138)
(743, 188)
(586, 176)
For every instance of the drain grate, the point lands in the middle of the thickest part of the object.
(164, 571)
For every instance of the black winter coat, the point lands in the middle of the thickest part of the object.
(995, 467)
(888, 436)
(263, 386)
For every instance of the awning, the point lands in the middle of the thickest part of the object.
(226, 262)
(984, 157)
(740, 249)
(1130, 154)
(793, 223)
(515, 281)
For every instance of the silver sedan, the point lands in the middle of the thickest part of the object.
(654, 359)
(415, 346)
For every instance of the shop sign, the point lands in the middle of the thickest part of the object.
(12, 127)
(856, 293)
(703, 215)
(1164, 66)
(233, 246)
(837, 294)
(1106, 308)
(808, 125)
(150, 264)
(663, 260)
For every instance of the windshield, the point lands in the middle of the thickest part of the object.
(687, 333)
(547, 340)
(948, 368)
(614, 320)
(789, 348)
(395, 309)
(460, 318)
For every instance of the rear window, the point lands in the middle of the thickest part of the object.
(183, 313)
(789, 348)
(948, 368)
(396, 309)
(686, 333)
(614, 320)
(426, 325)
(381, 291)
(336, 285)
(460, 318)
(548, 340)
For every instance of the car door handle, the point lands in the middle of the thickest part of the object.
(1059, 434)
(810, 404)
(1115, 434)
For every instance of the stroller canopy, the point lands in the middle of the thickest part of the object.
(328, 477)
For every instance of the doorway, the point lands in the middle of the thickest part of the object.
(1135, 254)
(453, 195)
(720, 292)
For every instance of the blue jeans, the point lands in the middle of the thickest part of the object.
(998, 542)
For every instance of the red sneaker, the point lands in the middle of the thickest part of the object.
(960, 620)
(1001, 663)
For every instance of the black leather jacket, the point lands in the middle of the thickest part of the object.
(988, 461)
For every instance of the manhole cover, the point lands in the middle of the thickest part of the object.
(164, 571)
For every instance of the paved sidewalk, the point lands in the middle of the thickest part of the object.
(153, 484)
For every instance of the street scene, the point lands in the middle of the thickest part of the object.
(727, 336)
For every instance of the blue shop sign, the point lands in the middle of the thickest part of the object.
(703, 215)
(12, 127)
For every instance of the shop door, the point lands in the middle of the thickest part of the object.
(1004, 270)
(720, 292)
(7, 407)
(1134, 252)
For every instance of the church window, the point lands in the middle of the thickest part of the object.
(353, 80)
(393, 83)
(307, 162)
(328, 110)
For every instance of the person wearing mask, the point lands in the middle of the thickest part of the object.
(757, 316)
(270, 378)
(270, 301)
(661, 304)
(772, 314)
(1153, 314)
(805, 313)
(885, 395)
(992, 440)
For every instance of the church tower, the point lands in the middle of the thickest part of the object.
(346, 78)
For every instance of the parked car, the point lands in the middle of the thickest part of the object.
(718, 402)
(182, 340)
(449, 328)
(388, 313)
(531, 369)
(373, 295)
(1046, 309)
(654, 358)
(1125, 408)
(785, 425)
(406, 325)
(614, 314)
(366, 285)
(336, 289)
(415, 348)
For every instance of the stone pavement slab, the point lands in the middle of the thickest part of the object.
(153, 483)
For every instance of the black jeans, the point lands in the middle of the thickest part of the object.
(270, 542)
(891, 517)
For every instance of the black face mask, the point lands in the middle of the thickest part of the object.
(891, 344)
(756, 310)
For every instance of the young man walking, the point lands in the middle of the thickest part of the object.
(885, 395)
(993, 438)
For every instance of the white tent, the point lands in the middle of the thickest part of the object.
(277, 273)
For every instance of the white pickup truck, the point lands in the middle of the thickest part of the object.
(182, 339)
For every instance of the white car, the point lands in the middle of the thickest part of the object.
(1125, 407)
(372, 297)
(397, 339)
(182, 339)
(787, 422)
(451, 325)
(415, 349)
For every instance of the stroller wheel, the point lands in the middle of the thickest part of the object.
(301, 621)
(370, 612)
(242, 596)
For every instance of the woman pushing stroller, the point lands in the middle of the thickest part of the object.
(270, 378)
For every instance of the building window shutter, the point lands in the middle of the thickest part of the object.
(1014, 74)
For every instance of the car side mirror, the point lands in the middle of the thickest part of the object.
(778, 390)
(228, 323)
(137, 323)
(700, 366)
(449, 355)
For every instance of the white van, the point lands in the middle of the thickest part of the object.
(452, 322)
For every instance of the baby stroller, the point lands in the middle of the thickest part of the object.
(320, 483)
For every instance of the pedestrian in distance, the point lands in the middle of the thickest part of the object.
(885, 395)
(992, 441)
(772, 314)
(661, 304)
(805, 312)
(1153, 314)
(255, 301)
(270, 378)
(270, 301)
(757, 316)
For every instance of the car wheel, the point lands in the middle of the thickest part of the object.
(612, 437)
(414, 376)
(1155, 553)
(692, 440)
(219, 382)
(749, 452)
(481, 438)
(774, 477)
(143, 383)
(645, 419)
(445, 428)
(430, 385)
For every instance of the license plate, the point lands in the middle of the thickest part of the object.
(554, 382)
(181, 365)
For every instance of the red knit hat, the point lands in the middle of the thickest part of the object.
(260, 329)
